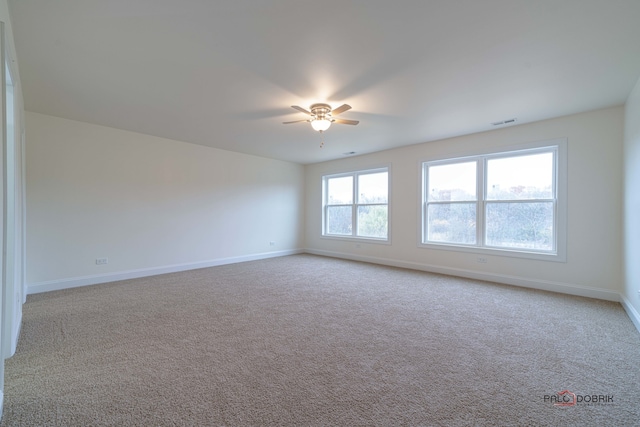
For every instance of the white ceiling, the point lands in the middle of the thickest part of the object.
(225, 73)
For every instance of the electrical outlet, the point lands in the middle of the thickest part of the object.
(102, 261)
(481, 260)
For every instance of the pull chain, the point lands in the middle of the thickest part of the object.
(321, 139)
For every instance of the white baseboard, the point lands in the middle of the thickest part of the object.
(74, 282)
(545, 285)
(631, 311)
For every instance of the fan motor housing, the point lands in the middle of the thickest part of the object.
(321, 110)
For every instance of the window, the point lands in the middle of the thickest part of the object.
(355, 204)
(511, 203)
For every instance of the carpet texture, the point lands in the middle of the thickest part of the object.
(313, 341)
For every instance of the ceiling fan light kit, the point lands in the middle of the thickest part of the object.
(322, 116)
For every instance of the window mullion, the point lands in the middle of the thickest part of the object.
(354, 206)
(480, 201)
(373, 204)
(498, 201)
(425, 201)
(325, 219)
(554, 183)
(425, 209)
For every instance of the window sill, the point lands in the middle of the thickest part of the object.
(357, 239)
(540, 256)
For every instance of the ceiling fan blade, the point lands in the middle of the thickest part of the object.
(295, 121)
(302, 110)
(346, 122)
(341, 109)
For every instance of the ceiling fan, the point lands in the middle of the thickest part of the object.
(322, 116)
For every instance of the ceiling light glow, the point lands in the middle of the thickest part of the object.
(320, 124)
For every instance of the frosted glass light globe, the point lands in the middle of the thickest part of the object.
(320, 124)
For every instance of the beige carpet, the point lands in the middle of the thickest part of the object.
(312, 341)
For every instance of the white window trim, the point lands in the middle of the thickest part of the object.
(561, 182)
(353, 237)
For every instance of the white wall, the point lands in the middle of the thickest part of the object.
(632, 205)
(594, 253)
(148, 204)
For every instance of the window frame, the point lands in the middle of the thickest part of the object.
(559, 182)
(355, 205)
